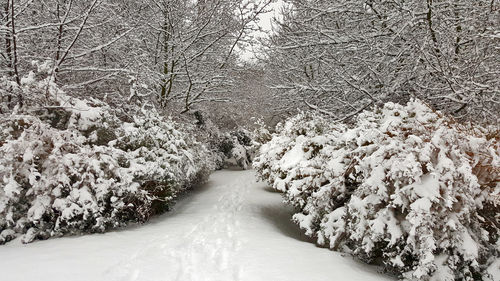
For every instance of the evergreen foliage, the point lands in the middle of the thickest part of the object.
(70, 165)
(405, 186)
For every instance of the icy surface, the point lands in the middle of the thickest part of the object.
(230, 229)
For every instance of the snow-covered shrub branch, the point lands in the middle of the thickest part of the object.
(405, 185)
(70, 166)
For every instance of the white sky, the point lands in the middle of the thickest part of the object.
(265, 22)
(266, 19)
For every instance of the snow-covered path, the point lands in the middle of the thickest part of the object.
(228, 230)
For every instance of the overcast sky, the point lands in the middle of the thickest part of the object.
(265, 21)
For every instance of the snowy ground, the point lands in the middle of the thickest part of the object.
(230, 229)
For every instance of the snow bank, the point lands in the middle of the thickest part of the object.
(403, 186)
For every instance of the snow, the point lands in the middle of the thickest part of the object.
(494, 269)
(229, 229)
(28, 79)
(427, 188)
(293, 157)
(422, 205)
(11, 187)
(470, 248)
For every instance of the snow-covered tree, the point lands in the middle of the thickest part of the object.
(194, 47)
(74, 37)
(168, 51)
(340, 57)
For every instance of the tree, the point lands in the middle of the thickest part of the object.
(71, 39)
(172, 52)
(195, 47)
(344, 56)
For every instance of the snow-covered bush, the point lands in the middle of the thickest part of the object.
(271, 163)
(405, 186)
(231, 148)
(260, 135)
(235, 148)
(159, 150)
(72, 166)
(261, 132)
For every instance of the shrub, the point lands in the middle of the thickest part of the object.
(405, 186)
(231, 149)
(74, 167)
(234, 148)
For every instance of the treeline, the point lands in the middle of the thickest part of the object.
(340, 57)
(156, 51)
